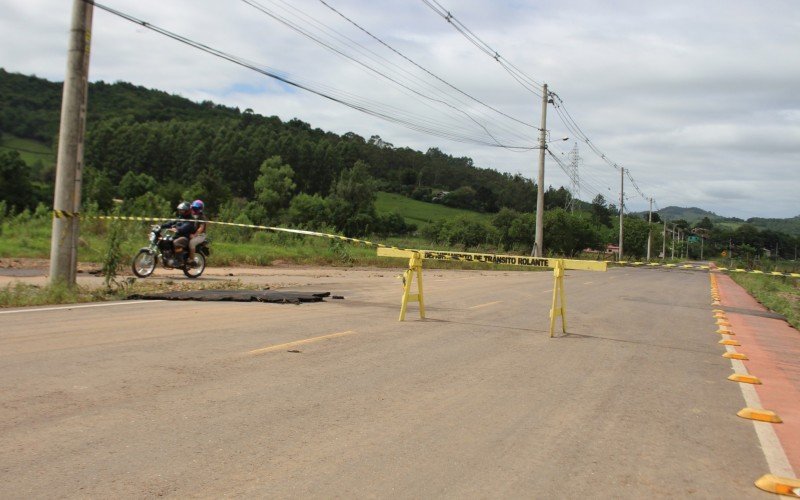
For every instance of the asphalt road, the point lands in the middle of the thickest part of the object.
(339, 399)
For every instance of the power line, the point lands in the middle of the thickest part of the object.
(527, 82)
(374, 109)
(323, 2)
(524, 80)
(369, 68)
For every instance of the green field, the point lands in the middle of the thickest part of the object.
(30, 151)
(420, 212)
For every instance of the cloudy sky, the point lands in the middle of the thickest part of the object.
(699, 100)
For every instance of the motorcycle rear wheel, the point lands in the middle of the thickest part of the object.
(198, 268)
(144, 263)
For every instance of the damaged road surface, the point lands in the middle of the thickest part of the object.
(272, 296)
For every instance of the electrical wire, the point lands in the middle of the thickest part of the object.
(530, 84)
(378, 110)
(524, 80)
(326, 4)
(369, 68)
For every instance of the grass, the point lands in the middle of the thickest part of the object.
(28, 236)
(31, 151)
(420, 212)
(779, 294)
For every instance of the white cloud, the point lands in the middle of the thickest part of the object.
(698, 99)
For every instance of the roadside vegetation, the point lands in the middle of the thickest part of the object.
(146, 150)
(781, 295)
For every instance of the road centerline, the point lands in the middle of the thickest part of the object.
(299, 342)
(486, 304)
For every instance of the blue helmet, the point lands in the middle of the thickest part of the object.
(197, 206)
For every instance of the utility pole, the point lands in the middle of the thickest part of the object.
(621, 207)
(702, 243)
(649, 228)
(730, 252)
(664, 243)
(672, 254)
(538, 243)
(67, 197)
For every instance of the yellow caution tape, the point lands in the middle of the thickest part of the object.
(515, 260)
(705, 267)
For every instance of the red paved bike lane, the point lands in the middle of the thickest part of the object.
(773, 350)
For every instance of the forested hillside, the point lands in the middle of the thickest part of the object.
(151, 149)
(177, 141)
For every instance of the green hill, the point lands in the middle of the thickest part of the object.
(420, 212)
(32, 151)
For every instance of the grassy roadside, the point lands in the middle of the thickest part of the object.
(781, 295)
(28, 236)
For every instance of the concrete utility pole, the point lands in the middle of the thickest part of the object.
(672, 253)
(649, 228)
(538, 246)
(702, 243)
(621, 207)
(67, 198)
(664, 243)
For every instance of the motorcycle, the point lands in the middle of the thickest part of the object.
(161, 248)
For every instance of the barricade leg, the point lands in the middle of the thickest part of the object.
(414, 268)
(559, 305)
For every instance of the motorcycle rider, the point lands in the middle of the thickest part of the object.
(184, 226)
(199, 234)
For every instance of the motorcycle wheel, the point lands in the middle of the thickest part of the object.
(196, 270)
(144, 264)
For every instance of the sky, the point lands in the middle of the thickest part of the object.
(698, 101)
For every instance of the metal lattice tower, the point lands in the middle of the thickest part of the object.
(575, 184)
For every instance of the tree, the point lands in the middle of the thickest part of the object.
(274, 187)
(463, 197)
(502, 223)
(134, 185)
(98, 188)
(352, 201)
(601, 215)
(635, 236)
(309, 211)
(556, 198)
(15, 182)
(567, 233)
(357, 187)
(705, 223)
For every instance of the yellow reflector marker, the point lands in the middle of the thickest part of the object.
(723, 323)
(759, 414)
(735, 355)
(725, 332)
(779, 485)
(717, 310)
(729, 342)
(745, 379)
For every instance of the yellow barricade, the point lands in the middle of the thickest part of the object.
(558, 307)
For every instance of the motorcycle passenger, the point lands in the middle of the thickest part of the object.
(199, 234)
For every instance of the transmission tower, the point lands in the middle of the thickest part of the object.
(575, 184)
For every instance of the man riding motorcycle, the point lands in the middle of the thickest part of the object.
(184, 227)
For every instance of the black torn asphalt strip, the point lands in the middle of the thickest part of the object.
(272, 296)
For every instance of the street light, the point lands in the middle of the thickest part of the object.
(538, 242)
